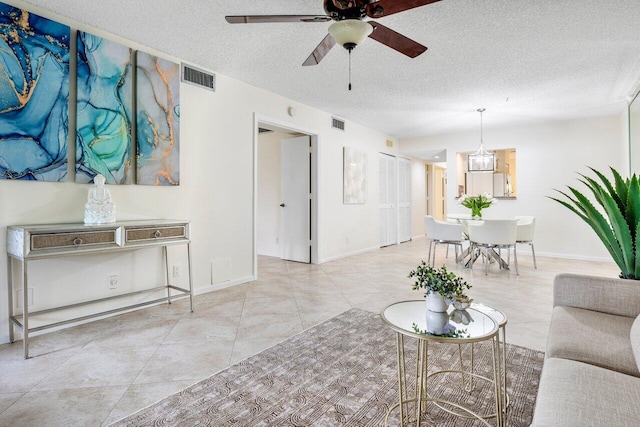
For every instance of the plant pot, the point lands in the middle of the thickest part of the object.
(435, 303)
(436, 322)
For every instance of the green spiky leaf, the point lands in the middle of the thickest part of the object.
(617, 223)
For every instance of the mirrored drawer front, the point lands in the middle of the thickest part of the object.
(140, 235)
(67, 240)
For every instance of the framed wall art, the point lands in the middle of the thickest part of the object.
(104, 110)
(354, 176)
(157, 120)
(34, 106)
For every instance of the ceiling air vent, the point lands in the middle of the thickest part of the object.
(263, 130)
(198, 77)
(337, 123)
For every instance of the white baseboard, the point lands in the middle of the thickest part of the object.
(565, 256)
(358, 252)
(230, 283)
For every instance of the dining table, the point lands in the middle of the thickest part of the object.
(493, 255)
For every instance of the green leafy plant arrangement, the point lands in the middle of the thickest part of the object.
(477, 203)
(619, 226)
(441, 281)
(448, 331)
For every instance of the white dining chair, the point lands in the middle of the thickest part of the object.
(442, 233)
(488, 236)
(525, 231)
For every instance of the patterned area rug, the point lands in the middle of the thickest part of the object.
(341, 372)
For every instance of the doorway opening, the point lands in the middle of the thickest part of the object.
(285, 188)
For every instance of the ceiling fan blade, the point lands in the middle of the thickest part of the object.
(397, 41)
(389, 7)
(320, 51)
(261, 19)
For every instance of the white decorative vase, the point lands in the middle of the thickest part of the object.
(436, 303)
(436, 322)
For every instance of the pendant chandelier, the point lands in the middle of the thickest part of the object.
(482, 160)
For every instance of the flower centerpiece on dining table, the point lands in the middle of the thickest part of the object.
(477, 203)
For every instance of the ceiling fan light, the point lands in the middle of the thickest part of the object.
(350, 32)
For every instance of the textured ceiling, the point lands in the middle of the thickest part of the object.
(522, 60)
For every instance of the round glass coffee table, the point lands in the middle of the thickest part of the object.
(412, 319)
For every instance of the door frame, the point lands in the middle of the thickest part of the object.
(315, 174)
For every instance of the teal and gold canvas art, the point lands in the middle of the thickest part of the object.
(34, 96)
(157, 120)
(104, 110)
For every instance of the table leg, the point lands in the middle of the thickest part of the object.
(421, 380)
(497, 377)
(166, 270)
(402, 383)
(473, 256)
(498, 259)
(25, 310)
(190, 277)
(504, 371)
(10, 295)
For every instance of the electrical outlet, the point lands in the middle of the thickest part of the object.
(277, 240)
(348, 240)
(19, 297)
(176, 270)
(112, 282)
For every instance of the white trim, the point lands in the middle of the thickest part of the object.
(562, 256)
(210, 288)
(315, 188)
(345, 255)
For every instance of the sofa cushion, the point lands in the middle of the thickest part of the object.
(576, 394)
(592, 337)
(635, 340)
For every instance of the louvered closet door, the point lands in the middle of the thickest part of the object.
(388, 196)
(404, 200)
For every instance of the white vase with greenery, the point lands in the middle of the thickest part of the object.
(436, 302)
(442, 286)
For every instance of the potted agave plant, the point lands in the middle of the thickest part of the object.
(619, 226)
(443, 287)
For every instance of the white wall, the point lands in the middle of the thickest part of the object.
(215, 193)
(349, 229)
(548, 155)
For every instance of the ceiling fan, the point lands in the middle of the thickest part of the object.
(350, 28)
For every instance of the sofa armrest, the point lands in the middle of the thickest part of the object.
(620, 297)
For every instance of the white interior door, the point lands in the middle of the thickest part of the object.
(388, 196)
(295, 229)
(404, 200)
(439, 211)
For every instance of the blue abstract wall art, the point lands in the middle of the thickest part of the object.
(34, 96)
(104, 110)
(157, 120)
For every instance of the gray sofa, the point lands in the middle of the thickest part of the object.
(591, 372)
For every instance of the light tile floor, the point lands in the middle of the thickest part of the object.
(97, 373)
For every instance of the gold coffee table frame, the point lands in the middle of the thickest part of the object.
(400, 317)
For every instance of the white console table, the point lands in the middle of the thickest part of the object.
(26, 243)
